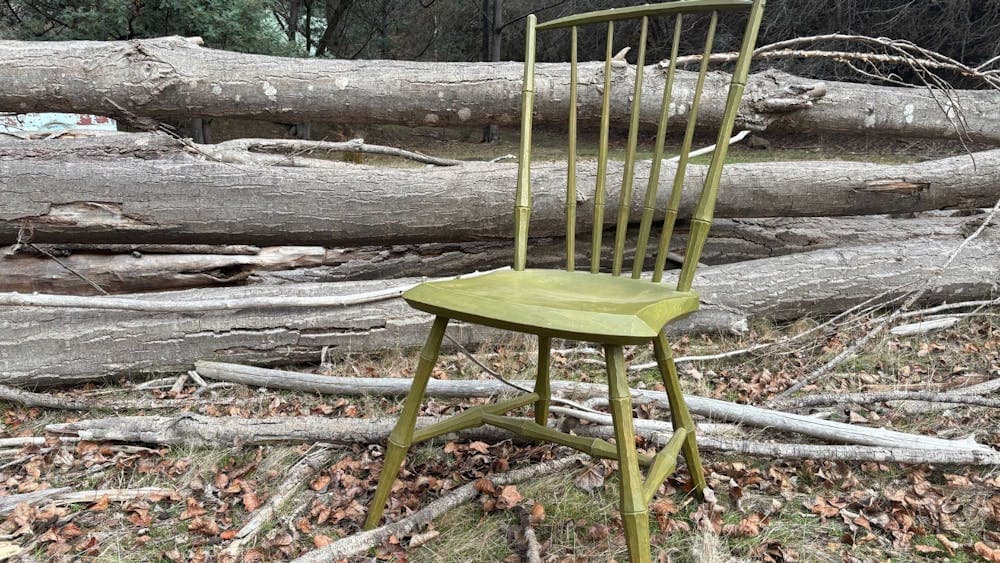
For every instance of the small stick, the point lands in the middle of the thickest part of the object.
(363, 541)
(303, 469)
(354, 145)
(197, 379)
(178, 385)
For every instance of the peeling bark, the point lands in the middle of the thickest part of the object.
(180, 198)
(49, 346)
(144, 272)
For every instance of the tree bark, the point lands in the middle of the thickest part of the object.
(42, 346)
(174, 78)
(115, 273)
(90, 191)
(134, 268)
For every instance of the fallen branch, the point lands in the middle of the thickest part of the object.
(865, 398)
(65, 495)
(303, 469)
(14, 299)
(810, 451)
(978, 389)
(363, 541)
(710, 408)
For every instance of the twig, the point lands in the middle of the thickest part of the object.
(363, 541)
(499, 377)
(15, 299)
(68, 268)
(533, 550)
(31, 399)
(886, 321)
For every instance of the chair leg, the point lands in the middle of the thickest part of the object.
(635, 516)
(679, 411)
(542, 380)
(402, 433)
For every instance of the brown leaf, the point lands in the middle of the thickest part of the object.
(319, 540)
(193, 509)
(986, 552)
(250, 501)
(87, 544)
(922, 548)
(70, 531)
(537, 515)
(481, 447)
(485, 486)
(228, 535)
(206, 526)
(101, 504)
(591, 478)
(320, 483)
(509, 497)
(823, 508)
(303, 525)
(220, 480)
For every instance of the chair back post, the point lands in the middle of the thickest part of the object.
(701, 220)
(522, 199)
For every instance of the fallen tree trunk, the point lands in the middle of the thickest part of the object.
(42, 346)
(148, 189)
(175, 78)
(732, 240)
(144, 272)
(60, 268)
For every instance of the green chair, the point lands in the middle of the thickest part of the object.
(604, 308)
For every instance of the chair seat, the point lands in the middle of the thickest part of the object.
(576, 305)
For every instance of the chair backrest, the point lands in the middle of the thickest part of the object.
(702, 217)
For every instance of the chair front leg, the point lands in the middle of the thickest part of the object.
(679, 412)
(542, 386)
(633, 508)
(402, 434)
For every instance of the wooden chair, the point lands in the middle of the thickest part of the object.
(604, 308)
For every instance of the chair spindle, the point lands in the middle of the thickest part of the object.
(701, 220)
(522, 199)
(602, 159)
(649, 204)
(625, 195)
(678, 187)
(571, 159)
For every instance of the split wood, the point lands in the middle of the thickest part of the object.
(361, 542)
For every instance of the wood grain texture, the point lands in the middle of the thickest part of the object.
(178, 198)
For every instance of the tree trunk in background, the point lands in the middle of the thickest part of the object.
(86, 344)
(150, 189)
(175, 78)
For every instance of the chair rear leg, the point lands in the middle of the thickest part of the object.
(679, 411)
(402, 433)
(635, 516)
(542, 386)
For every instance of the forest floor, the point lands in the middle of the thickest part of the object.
(763, 509)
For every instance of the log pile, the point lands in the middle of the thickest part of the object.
(137, 254)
